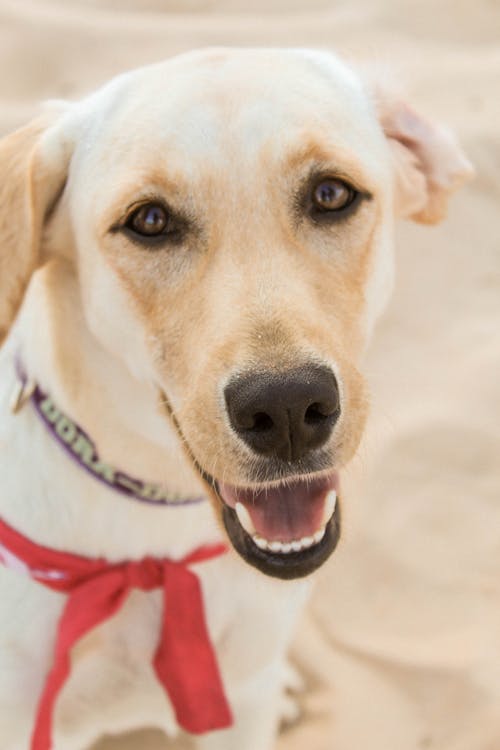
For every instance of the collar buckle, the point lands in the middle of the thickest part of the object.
(22, 392)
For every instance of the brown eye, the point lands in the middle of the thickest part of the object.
(333, 195)
(149, 220)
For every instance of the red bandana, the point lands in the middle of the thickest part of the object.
(184, 662)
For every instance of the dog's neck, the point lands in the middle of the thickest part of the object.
(122, 415)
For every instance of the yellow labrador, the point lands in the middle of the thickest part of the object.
(203, 246)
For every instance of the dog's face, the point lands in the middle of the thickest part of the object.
(231, 216)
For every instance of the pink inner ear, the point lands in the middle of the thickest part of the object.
(410, 185)
(429, 163)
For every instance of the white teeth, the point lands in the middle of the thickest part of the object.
(284, 548)
(275, 546)
(244, 518)
(318, 536)
(329, 510)
(260, 542)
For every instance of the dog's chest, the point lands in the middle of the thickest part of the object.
(249, 621)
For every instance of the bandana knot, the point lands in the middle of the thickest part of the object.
(146, 574)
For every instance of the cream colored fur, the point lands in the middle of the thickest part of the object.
(102, 329)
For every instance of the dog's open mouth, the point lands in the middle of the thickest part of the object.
(285, 530)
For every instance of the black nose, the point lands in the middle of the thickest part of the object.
(286, 415)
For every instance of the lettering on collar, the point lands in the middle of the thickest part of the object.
(84, 452)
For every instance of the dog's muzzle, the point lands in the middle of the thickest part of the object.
(284, 529)
(288, 525)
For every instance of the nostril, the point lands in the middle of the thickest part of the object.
(262, 422)
(316, 414)
(320, 411)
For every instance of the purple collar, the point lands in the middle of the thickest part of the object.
(83, 451)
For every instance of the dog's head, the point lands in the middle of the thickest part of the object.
(229, 214)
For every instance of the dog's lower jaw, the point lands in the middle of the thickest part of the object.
(285, 566)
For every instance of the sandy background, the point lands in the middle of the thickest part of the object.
(400, 648)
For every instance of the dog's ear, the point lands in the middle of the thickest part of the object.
(428, 161)
(33, 168)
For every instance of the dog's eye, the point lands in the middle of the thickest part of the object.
(149, 220)
(331, 195)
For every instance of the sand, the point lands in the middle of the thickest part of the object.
(400, 648)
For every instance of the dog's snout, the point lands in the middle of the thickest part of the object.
(284, 415)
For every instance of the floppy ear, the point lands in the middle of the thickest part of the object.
(33, 166)
(428, 161)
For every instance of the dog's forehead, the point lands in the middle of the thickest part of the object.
(216, 106)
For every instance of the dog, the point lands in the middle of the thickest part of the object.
(192, 260)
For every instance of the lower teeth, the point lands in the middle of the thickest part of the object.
(284, 548)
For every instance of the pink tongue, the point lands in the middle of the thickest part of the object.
(286, 512)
